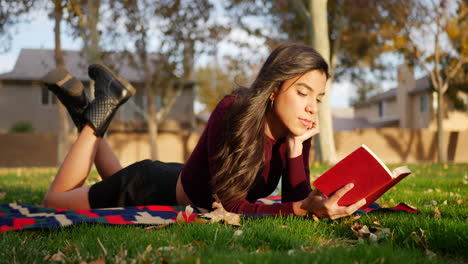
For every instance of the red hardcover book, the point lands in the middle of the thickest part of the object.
(370, 176)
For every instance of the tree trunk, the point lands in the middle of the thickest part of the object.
(151, 117)
(93, 45)
(442, 146)
(63, 128)
(320, 41)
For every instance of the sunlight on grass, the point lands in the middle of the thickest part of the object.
(439, 234)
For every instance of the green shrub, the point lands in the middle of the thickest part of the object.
(22, 127)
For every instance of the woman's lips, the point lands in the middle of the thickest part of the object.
(306, 122)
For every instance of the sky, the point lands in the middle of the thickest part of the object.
(39, 34)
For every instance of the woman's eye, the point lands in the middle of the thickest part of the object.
(319, 100)
(301, 93)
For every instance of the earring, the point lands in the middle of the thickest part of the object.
(271, 103)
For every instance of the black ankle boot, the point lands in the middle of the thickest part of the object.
(111, 91)
(70, 91)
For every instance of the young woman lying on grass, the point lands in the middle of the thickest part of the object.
(253, 137)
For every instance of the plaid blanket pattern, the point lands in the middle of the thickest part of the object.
(14, 216)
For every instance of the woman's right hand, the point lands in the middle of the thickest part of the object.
(322, 206)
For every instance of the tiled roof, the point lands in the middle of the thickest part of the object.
(32, 64)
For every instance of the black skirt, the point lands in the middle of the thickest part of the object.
(145, 182)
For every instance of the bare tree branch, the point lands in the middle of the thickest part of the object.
(423, 63)
(137, 109)
(303, 14)
(75, 7)
(169, 103)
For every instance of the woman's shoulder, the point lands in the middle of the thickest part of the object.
(227, 101)
(231, 104)
(222, 108)
(237, 97)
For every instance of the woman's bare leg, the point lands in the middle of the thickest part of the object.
(107, 163)
(65, 191)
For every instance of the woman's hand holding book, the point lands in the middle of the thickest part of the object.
(322, 206)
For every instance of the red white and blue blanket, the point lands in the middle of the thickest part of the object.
(14, 216)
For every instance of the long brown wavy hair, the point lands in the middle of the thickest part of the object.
(241, 148)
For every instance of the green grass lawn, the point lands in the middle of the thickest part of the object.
(412, 238)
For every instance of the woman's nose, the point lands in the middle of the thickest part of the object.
(312, 107)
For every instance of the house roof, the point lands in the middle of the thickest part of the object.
(422, 84)
(33, 64)
(342, 124)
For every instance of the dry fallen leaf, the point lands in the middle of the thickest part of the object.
(354, 218)
(371, 234)
(418, 238)
(360, 230)
(2, 195)
(168, 248)
(200, 243)
(437, 213)
(220, 214)
(431, 255)
(188, 211)
(157, 226)
(59, 256)
(261, 249)
(428, 191)
(98, 261)
(200, 220)
(237, 233)
(431, 203)
(180, 218)
(308, 248)
(316, 219)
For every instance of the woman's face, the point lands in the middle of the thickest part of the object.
(297, 102)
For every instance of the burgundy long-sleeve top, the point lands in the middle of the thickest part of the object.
(294, 172)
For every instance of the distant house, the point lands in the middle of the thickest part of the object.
(344, 119)
(412, 104)
(23, 99)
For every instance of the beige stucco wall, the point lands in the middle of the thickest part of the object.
(28, 150)
(392, 145)
(171, 147)
(40, 149)
(454, 120)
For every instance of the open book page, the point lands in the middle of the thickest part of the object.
(400, 170)
(370, 176)
(401, 173)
